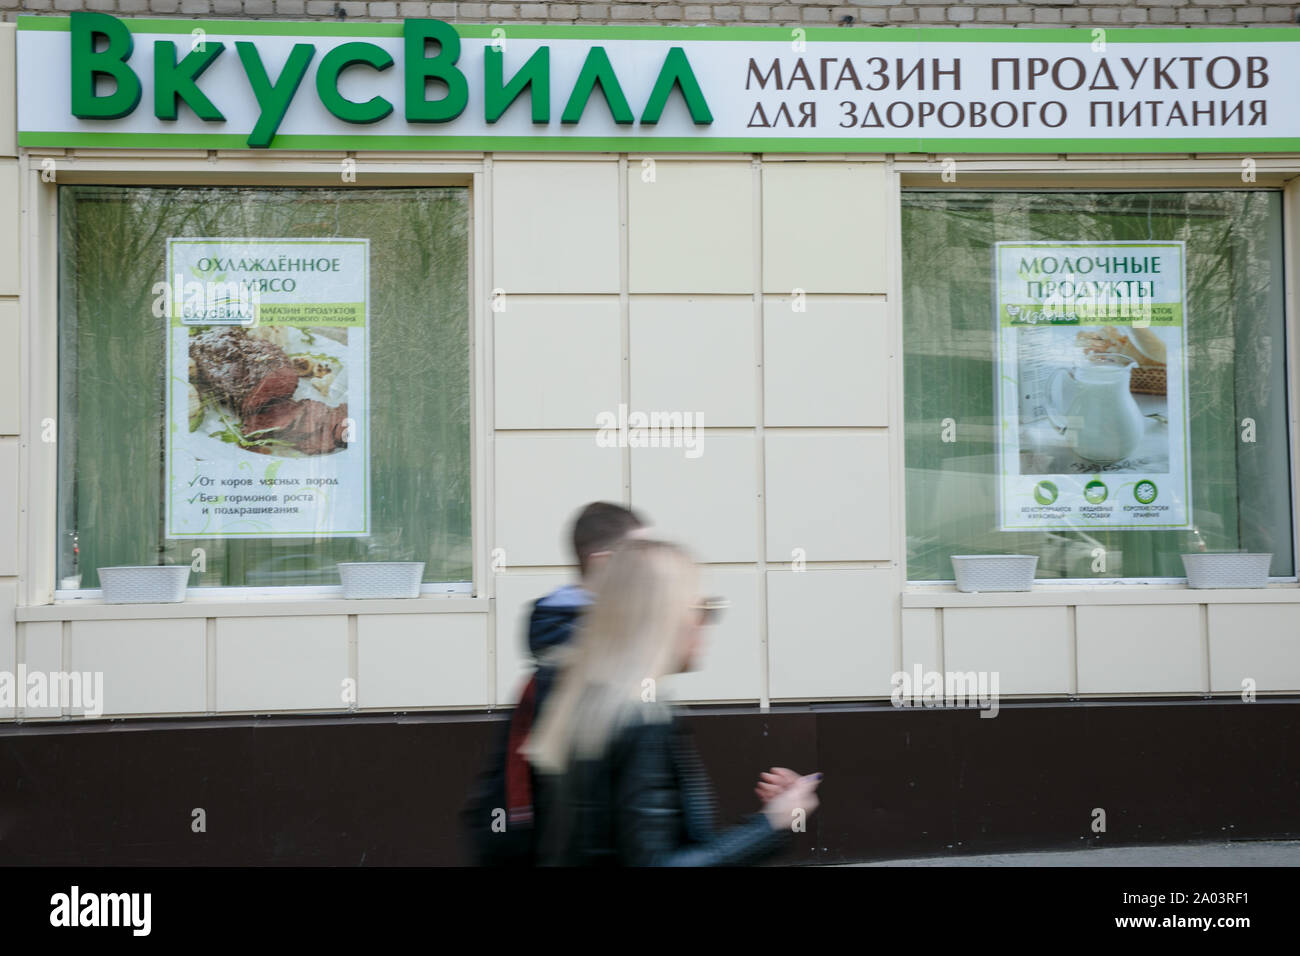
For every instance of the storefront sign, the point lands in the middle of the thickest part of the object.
(95, 80)
(267, 387)
(1092, 386)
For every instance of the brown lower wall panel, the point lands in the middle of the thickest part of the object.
(385, 790)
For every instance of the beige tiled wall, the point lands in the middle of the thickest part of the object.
(186, 663)
(281, 663)
(1184, 643)
(1254, 647)
(555, 227)
(411, 660)
(717, 518)
(1134, 650)
(921, 648)
(758, 294)
(42, 652)
(149, 667)
(557, 360)
(708, 288)
(825, 227)
(691, 227)
(11, 366)
(827, 362)
(8, 636)
(1027, 647)
(696, 354)
(831, 633)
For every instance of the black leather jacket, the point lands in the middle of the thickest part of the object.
(647, 802)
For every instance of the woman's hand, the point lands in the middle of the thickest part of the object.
(774, 781)
(799, 795)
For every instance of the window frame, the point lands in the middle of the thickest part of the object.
(1112, 174)
(39, 244)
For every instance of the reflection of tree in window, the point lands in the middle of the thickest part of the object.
(1235, 369)
(112, 248)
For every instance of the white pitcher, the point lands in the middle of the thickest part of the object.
(1101, 421)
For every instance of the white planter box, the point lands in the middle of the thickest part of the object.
(381, 579)
(145, 584)
(1235, 570)
(994, 572)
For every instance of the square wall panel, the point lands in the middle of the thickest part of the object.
(10, 226)
(709, 503)
(1140, 650)
(421, 660)
(149, 667)
(829, 496)
(558, 361)
(8, 506)
(697, 355)
(8, 99)
(43, 641)
(10, 382)
(730, 665)
(8, 637)
(555, 226)
(540, 485)
(1027, 648)
(921, 639)
(515, 594)
(825, 227)
(831, 633)
(281, 663)
(1256, 642)
(828, 364)
(691, 228)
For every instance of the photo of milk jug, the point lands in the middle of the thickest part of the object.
(1091, 403)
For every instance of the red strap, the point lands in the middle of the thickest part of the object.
(519, 783)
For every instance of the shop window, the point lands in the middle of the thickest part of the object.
(263, 382)
(1098, 379)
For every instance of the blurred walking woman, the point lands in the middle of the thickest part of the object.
(621, 782)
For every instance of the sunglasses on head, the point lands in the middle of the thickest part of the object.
(710, 609)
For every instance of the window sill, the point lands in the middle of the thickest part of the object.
(237, 606)
(948, 596)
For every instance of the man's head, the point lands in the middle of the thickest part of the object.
(599, 527)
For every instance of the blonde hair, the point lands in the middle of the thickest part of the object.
(630, 634)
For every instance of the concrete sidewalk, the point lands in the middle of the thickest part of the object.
(1246, 853)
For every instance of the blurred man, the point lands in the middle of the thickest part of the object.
(499, 815)
(597, 529)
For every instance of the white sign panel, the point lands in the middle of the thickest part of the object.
(282, 85)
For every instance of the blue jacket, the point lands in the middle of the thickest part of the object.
(551, 624)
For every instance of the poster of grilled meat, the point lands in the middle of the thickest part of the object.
(268, 364)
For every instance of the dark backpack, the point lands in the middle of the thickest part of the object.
(498, 816)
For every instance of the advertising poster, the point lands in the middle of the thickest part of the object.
(1092, 386)
(267, 392)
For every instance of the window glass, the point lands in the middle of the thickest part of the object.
(113, 388)
(1208, 417)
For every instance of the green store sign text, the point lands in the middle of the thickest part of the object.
(103, 47)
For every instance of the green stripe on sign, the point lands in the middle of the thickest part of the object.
(678, 144)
